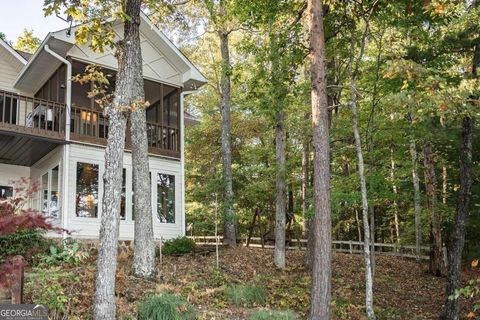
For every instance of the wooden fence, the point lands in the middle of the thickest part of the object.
(353, 247)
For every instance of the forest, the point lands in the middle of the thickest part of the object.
(326, 128)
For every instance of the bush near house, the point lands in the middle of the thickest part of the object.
(180, 245)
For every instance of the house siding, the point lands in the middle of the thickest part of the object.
(9, 74)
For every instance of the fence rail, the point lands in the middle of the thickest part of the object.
(353, 247)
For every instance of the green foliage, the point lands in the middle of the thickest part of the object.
(47, 287)
(24, 242)
(179, 245)
(273, 315)
(247, 295)
(71, 252)
(165, 306)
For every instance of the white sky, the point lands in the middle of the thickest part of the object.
(15, 15)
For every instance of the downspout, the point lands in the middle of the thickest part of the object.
(183, 94)
(66, 149)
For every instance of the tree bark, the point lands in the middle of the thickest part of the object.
(305, 164)
(437, 266)
(230, 237)
(280, 214)
(457, 242)
(127, 53)
(144, 244)
(452, 308)
(396, 219)
(416, 198)
(321, 224)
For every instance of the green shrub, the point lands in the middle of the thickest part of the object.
(274, 315)
(180, 245)
(71, 252)
(24, 243)
(247, 295)
(165, 306)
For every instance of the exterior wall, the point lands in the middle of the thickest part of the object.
(88, 228)
(10, 173)
(9, 74)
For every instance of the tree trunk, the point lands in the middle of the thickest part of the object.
(416, 198)
(463, 206)
(128, 52)
(144, 244)
(322, 224)
(396, 220)
(230, 236)
(305, 164)
(279, 257)
(436, 262)
(361, 173)
(359, 227)
(372, 240)
(444, 184)
(252, 227)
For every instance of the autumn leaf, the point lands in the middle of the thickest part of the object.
(471, 315)
(475, 263)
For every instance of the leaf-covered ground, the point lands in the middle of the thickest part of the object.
(403, 288)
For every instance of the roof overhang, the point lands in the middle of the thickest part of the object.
(13, 57)
(41, 65)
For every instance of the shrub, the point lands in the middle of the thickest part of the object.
(165, 306)
(180, 245)
(247, 295)
(71, 252)
(24, 243)
(274, 315)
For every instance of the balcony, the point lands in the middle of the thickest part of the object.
(29, 128)
(91, 126)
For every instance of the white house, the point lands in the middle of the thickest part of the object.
(52, 132)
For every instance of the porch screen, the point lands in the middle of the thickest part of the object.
(86, 202)
(165, 198)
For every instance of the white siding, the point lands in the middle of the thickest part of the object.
(89, 227)
(8, 74)
(10, 174)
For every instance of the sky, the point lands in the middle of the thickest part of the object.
(16, 15)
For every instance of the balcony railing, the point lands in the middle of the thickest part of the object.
(91, 126)
(31, 116)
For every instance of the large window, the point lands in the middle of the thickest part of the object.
(86, 203)
(165, 198)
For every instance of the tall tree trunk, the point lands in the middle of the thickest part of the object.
(322, 224)
(359, 226)
(396, 220)
(230, 235)
(279, 257)
(444, 184)
(416, 198)
(144, 244)
(463, 207)
(305, 164)
(372, 239)
(127, 53)
(436, 262)
(353, 70)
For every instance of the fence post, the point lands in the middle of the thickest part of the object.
(17, 276)
(351, 247)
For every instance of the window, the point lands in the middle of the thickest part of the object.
(6, 192)
(86, 202)
(165, 198)
(49, 193)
